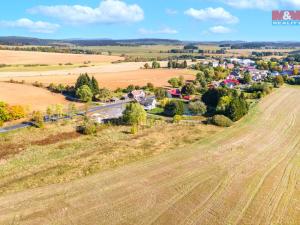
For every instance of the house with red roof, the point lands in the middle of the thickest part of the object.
(175, 93)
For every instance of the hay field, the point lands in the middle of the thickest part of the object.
(29, 96)
(113, 80)
(26, 57)
(247, 174)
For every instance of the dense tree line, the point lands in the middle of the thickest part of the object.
(227, 102)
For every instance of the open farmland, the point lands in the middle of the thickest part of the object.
(247, 52)
(247, 174)
(27, 57)
(147, 51)
(113, 80)
(32, 97)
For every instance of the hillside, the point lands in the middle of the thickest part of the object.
(247, 174)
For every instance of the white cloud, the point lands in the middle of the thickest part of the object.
(248, 4)
(219, 15)
(171, 11)
(108, 11)
(293, 3)
(32, 26)
(262, 4)
(220, 30)
(166, 30)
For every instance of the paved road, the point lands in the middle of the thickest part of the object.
(92, 109)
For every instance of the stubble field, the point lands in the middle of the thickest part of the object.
(113, 80)
(26, 57)
(31, 97)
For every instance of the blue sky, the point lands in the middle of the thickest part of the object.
(199, 20)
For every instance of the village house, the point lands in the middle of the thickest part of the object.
(149, 103)
(215, 63)
(174, 93)
(230, 66)
(230, 83)
(258, 75)
(137, 95)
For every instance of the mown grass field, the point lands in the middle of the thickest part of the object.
(246, 174)
(57, 153)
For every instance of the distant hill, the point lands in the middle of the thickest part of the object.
(84, 42)
(13, 40)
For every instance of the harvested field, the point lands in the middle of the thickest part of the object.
(32, 97)
(27, 57)
(113, 80)
(247, 174)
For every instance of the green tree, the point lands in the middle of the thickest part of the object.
(134, 114)
(155, 65)
(188, 89)
(84, 93)
(104, 94)
(197, 108)
(173, 108)
(223, 104)
(247, 78)
(212, 96)
(160, 93)
(174, 82)
(237, 108)
(94, 86)
(83, 79)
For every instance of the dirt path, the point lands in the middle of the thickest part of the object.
(248, 174)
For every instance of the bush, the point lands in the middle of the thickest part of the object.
(160, 93)
(17, 112)
(222, 121)
(164, 102)
(103, 94)
(177, 118)
(38, 119)
(262, 87)
(174, 108)
(278, 81)
(174, 82)
(197, 108)
(89, 128)
(134, 129)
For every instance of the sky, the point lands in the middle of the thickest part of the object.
(192, 20)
